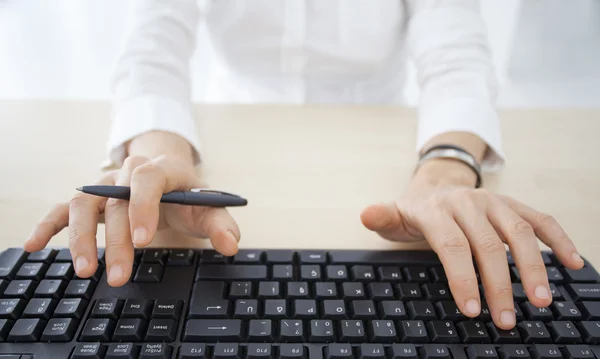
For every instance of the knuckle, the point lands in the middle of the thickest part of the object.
(454, 245)
(546, 220)
(489, 242)
(113, 204)
(464, 284)
(536, 268)
(521, 227)
(132, 162)
(78, 201)
(503, 291)
(148, 170)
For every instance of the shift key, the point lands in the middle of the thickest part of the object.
(212, 330)
(585, 291)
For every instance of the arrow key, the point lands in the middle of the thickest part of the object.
(149, 273)
(210, 308)
(260, 330)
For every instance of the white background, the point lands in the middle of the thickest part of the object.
(547, 51)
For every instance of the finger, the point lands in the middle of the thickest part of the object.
(525, 250)
(490, 254)
(119, 249)
(204, 222)
(452, 247)
(83, 224)
(149, 182)
(387, 221)
(51, 224)
(549, 232)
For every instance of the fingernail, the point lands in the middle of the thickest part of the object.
(507, 318)
(140, 235)
(577, 257)
(116, 272)
(541, 292)
(81, 264)
(472, 306)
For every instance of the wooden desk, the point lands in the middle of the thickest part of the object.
(307, 171)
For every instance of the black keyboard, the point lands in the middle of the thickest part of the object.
(280, 304)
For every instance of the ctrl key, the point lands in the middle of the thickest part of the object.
(155, 351)
(88, 351)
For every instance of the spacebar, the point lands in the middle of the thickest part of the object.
(416, 257)
(224, 272)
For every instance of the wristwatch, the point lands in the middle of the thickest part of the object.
(455, 153)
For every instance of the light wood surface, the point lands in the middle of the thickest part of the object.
(307, 171)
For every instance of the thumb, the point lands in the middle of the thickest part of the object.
(387, 220)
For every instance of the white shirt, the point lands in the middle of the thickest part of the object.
(309, 51)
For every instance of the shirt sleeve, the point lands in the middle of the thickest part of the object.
(151, 83)
(458, 87)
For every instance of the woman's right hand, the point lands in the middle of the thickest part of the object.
(135, 221)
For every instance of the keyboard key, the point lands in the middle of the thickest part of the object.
(211, 330)
(416, 274)
(519, 292)
(421, 310)
(442, 331)
(534, 332)
(82, 288)
(413, 331)
(393, 309)
(514, 351)
(167, 308)
(268, 290)
(33, 271)
(473, 332)
(390, 274)
(59, 330)
(545, 351)
(534, 313)
(137, 308)
(554, 275)
(283, 272)
(482, 352)
(39, 308)
(45, 255)
(212, 256)
(232, 272)
(23, 288)
(155, 256)
(436, 291)
(439, 275)
(591, 310)
(321, 331)
(11, 308)
(5, 326)
(161, 330)
(97, 330)
(260, 330)
(304, 309)
(208, 290)
(259, 351)
(409, 291)
(210, 308)
(226, 351)
(180, 257)
(578, 352)
(149, 273)
(297, 290)
(380, 291)
(334, 309)
(280, 256)
(155, 351)
(325, 290)
(361, 309)
(449, 311)
(500, 336)
(403, 351)
(590, 331)
(382, 331)
(52, 288)
(435, 351)
(556, 294)
(337, 273)
(26, 330)
(122, 351)
(248, 257)
(60, 271)
(338, 351)
(353, 290)
(107, 308)
(566, 311)
(362, 273)
(240, 290)
(192, 351)
(70, 308)
(353, 331)
(315, 257)
(10, 261)
(64, 255)
(275, 308)
(88, 351)
(246, 309)
(564, 332)
(585, 274)
(291, 330)
(310, 272)
(584, 291)
(129, 330)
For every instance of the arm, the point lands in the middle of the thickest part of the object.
(448, 43)
(151, 84)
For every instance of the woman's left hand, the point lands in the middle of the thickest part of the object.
(461, 223)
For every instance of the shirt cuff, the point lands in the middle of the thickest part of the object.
(464, 115)
(149, 113)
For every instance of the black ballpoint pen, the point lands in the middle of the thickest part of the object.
(194, 197)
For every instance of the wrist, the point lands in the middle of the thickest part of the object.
(442, 171)
(160, 143)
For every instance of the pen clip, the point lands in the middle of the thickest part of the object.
(208, 190)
